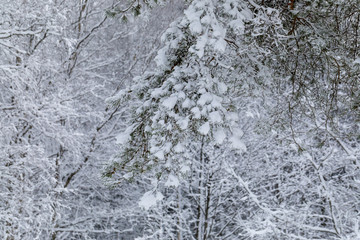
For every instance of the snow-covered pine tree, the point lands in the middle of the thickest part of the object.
(183, 123)
(186, 103)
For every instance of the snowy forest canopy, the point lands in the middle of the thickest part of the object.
(184, 120)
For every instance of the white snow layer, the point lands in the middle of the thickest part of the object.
(215, 117)
(149, 199)
(237, 143)
(170, 102)
(183, 123)
(204, 129)
(123, 137)
(357, 61)
(179, 148)
(219, 136)
(172, 181)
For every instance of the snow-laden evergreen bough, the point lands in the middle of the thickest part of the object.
(182, 123)
(186, 102)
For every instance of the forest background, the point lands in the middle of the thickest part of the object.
(202, 119)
